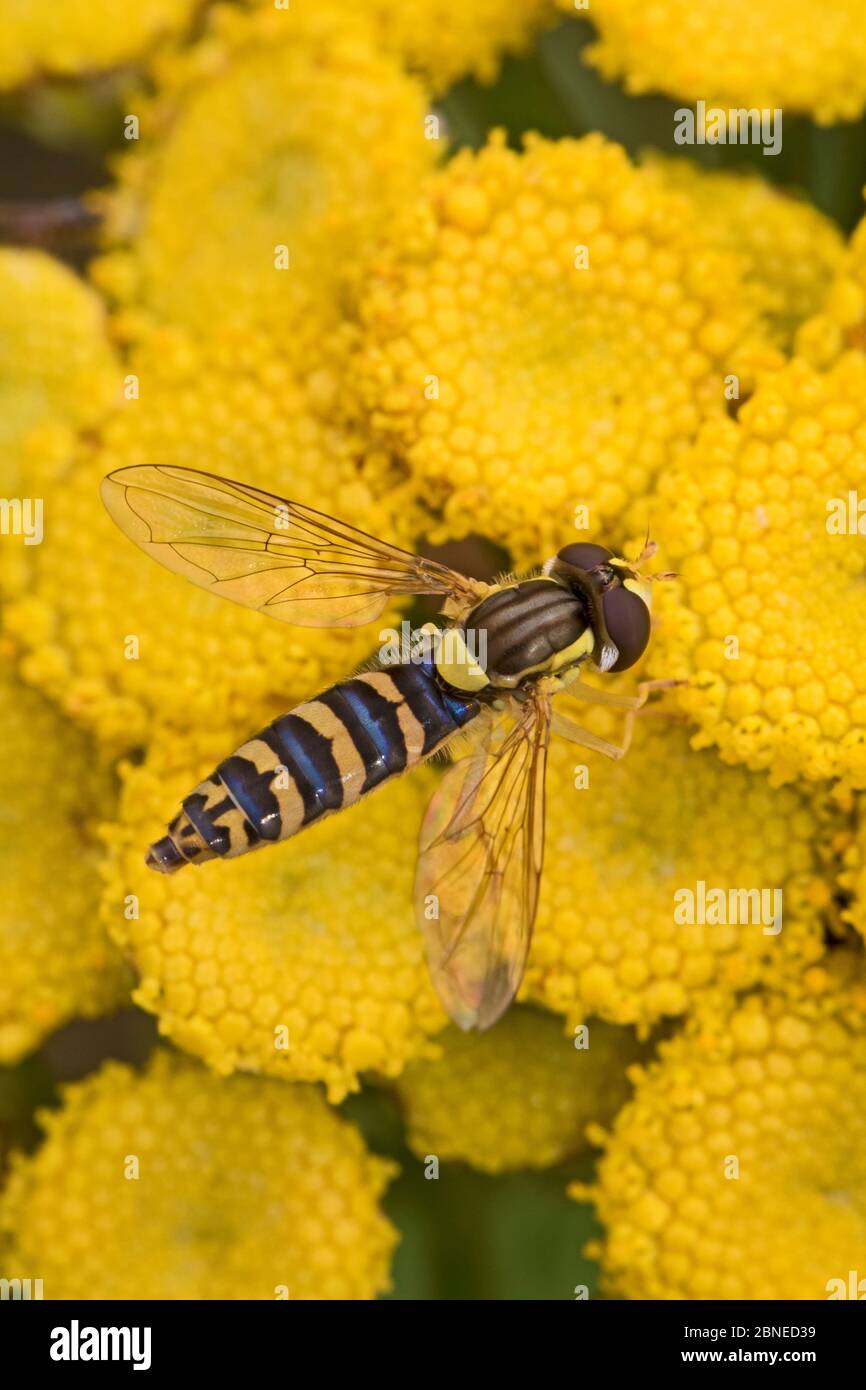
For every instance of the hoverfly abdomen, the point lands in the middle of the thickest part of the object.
(323, 756)
(528, 626)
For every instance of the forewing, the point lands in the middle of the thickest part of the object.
(476, 890)
(265, 552)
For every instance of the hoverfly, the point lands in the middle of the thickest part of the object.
(482, 838)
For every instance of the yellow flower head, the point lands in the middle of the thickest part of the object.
(56, 367)
(544, 331)
(621, 930)
(117, 640)
(739, 1168)
(77, 36)
(175, 1184)
(56, 962)
(294, 140)
(778, 53)
(302, 961)
(789, 251)
(768, 620)
(518, 1096)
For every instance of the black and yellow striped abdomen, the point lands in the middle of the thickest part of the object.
(323, 756)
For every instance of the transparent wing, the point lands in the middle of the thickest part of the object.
(264, 552)
(476, 890)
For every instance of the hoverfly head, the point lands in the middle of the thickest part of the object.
(618, 597)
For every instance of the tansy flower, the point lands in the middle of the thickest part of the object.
(78, 36)
(295, 141)
(621, 931)
(768, 619)
(545, 330)
(57, 372)
(56, 962)
(790, 252)
(117, 640)
(301, 961)
(518, 1096)
(739, 1168)
(176, 1184)
(740, 55)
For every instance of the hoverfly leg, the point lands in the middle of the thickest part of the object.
(593, 696)
(575, 733)
(632, 704)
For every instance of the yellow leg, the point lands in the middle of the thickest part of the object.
(632, 704)
(592, 696)
(566, 728)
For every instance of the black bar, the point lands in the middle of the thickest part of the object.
(226, 1337)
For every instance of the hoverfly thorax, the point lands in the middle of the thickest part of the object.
(618, 601)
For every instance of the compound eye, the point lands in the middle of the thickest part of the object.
(584, 556)
(627, 619)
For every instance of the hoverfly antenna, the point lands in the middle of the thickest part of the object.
(649, 549)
